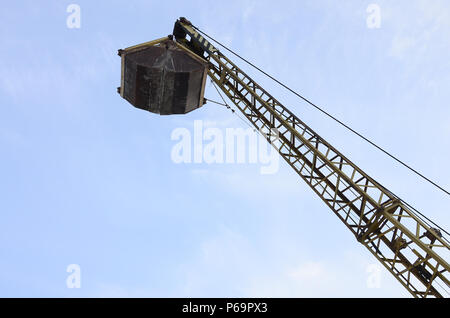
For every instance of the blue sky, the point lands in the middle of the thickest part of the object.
(87, 179)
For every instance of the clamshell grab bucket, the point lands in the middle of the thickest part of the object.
(162, 77)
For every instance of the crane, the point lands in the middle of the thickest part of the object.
(167, 76)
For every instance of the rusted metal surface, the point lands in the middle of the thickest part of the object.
(163, 78)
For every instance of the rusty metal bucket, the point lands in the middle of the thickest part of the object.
(162, 77)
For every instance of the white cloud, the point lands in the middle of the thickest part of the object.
(425, 25)
(114, 290)
(246, 181)
(248, 10)
(224, 260)
(308, 271)
(400, 45)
